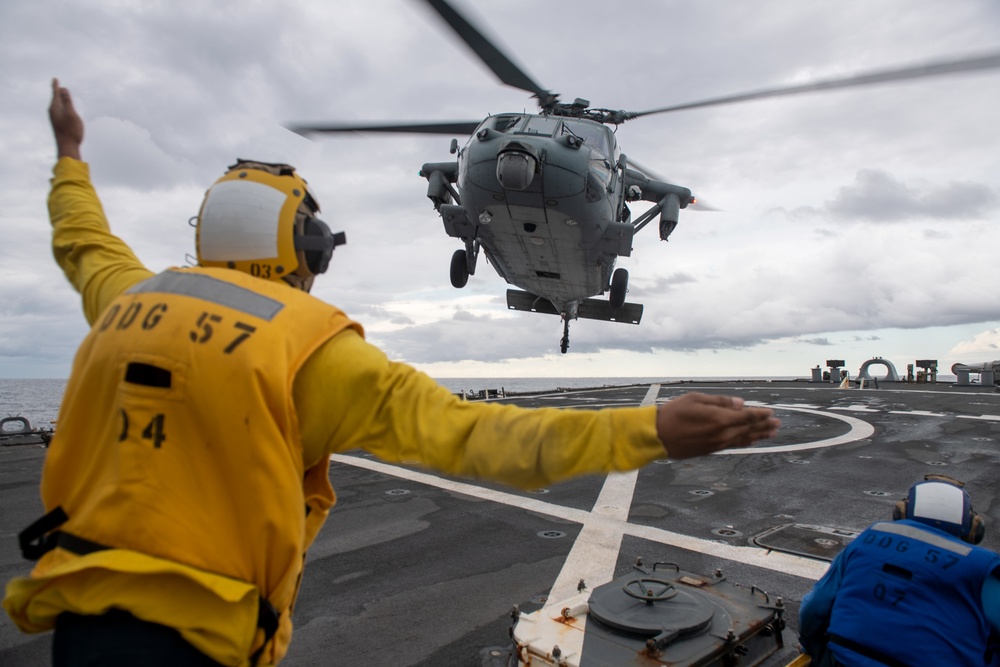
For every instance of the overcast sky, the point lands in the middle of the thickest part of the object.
(854, 223)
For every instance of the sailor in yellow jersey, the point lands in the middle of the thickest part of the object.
(189, 472)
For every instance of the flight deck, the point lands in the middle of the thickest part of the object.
(416, 568)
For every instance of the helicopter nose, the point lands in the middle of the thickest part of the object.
(515, 170)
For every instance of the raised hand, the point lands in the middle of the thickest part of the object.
(67, 126)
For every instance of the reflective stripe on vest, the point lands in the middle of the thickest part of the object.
(924, 536)
(212, 290)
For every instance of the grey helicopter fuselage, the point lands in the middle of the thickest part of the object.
(544, 197)
(543, 194)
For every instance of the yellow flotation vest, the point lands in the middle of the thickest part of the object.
(178, 466)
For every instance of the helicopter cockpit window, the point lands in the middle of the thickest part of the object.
(593, 135)
(505, 123)
(540, 125)
(598, 180)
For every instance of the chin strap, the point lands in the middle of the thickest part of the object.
(303, 283)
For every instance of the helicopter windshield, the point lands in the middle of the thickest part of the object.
(595, 136)
(505, 123)
(540, 125)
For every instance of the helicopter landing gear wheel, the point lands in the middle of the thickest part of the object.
(619, 286)
(459, 269)
(564, 342)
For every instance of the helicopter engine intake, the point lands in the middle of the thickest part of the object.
(515, 170)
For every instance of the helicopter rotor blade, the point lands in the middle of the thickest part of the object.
(447, 127)
(502, 66)
(989, 61)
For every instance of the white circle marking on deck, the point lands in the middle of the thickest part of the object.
(859, 431)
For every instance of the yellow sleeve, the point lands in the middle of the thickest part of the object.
(349, 395)
(98, 264)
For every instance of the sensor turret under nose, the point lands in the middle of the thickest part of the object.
(515, 170)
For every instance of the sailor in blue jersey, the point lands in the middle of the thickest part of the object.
(912, 591)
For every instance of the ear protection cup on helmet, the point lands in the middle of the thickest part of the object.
(317, 243)
(978, 530)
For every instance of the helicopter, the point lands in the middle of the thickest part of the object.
(545, 196)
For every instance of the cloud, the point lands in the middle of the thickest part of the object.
(124, 154)
(986, 345)
(171, 95)
(822, 341)
(661, 285)
(41, 324)
(876, 196)
(472, 337)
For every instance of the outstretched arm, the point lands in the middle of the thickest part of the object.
(400, 414)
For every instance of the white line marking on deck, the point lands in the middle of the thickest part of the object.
(807, 568)
(595, 552)
(790, 405)
(859, 431)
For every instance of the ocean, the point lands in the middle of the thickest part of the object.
(532, 385)
(35, 400)
(38, 400)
